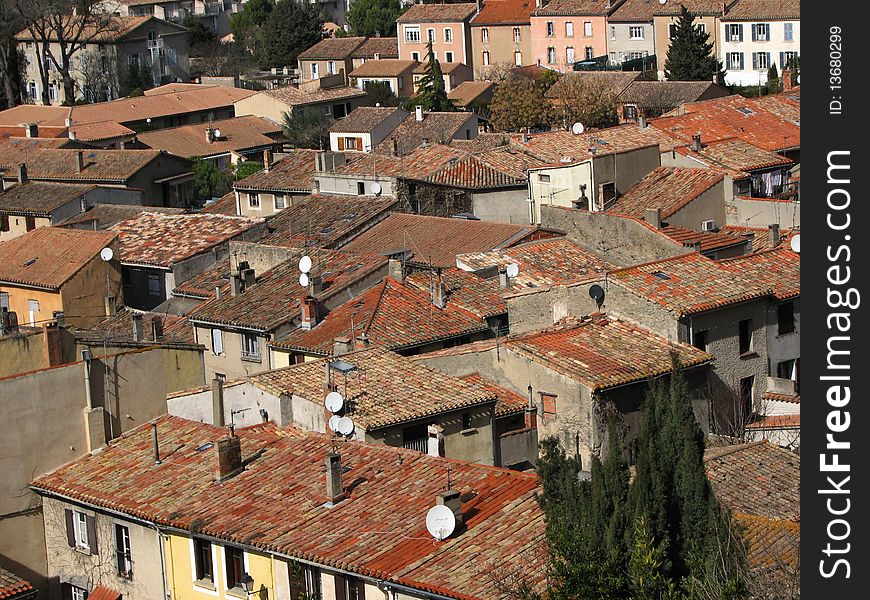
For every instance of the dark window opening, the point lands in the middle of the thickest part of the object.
(745, 336)
(700, 340)
(360, 188)
(202, 556)
(466, 420)
(235, 566)
(746, 385)
(785, 317)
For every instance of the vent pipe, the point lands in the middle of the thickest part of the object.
(156, 443)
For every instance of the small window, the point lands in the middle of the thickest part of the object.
(80, 521)
(747, 385)
(4, 222)
(785, 317)
(569, 29)
(548, 401)
(551, 29)
(587, 28)
(551, 56)
(330, 67)
(516, 34)
(30, 223)
(734, 61)
(484, 34)
(702, 28)
(699, 340)
(518, 58)
(786, 369)
(77, 593)
(569, 55)
(672, 31)
(543, 178)
(360, 188)
(448, 57)
(280, 201)
(430, 35)
(412, 34)
(448, 35)
(123, 556)
(253, 200)
(235, 563)
(415, 56)
(4, 300)
(735, 32)
(486, 57)
(217, 341)
(636, 32)
(590, 53)
(466, 420)
(612, 32)
(33, 309)
(250, 346)
(788, 32)
(745, 333)
(203, 569)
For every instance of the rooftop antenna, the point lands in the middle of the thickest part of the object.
(449, 482)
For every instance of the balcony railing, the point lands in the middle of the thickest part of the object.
(421, 445)
(251, 356)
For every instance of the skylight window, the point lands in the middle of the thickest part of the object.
(661, 275)
(745, 111)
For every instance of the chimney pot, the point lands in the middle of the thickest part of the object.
(22, 173)
(696, 142)
(774, 234)
(267, 160)
(217, 402)
(438, 291)
(334, 488)
(316, 285)
(435, 442)
(361, 342)
(138, 329)
(503, 279)
(235, 285)
(308, 306)
(418, 112)
(217, 292)
(229, 455)
(452, 500)
(653, 216)
(341, 345)
(641, 121)
(80, 161)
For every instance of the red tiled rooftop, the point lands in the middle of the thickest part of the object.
(504, 12)
(574, 8)
(202, 286)
(736, 154)
(47, 257)
(110, 166)
(763, 10)
(477, 295)
(780, 269)
(710, 240)
(37, 198)
(12, 586)
(225, 206)
(294, 172)
(237, 134)
(508, 401)
(293, 96)
(332, 48)
(285, 513)
(668, 188)
(438, 13)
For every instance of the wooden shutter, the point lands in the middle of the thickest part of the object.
(340, 587)
(340, 144)
(768, 60)
(755, 61)
(4, 223)
(781, 61)
(740, 32)
(741, 61)
(70, 528)
(92, 534)
(754, 33)
(217, 341)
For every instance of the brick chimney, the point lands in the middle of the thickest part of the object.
(341, 345)
(396, 270)
(438, 292)
(361, 342)
(787, 80)
(503, 279)
(229, 456)
(334, 487)
(452, 500)
(53, 349)
(217, 402)
(653, 216)
(530, 417)
(308, 306)
(774, 234)
(267, 160)
(696, 142)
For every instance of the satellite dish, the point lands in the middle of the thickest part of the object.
(217, 133)
(344, 426)
(334, 402)
(578, 128)
(663, 1)
(107, 254)
(333, 422)
(441, 522)
(796, 243)
(513, 270)
(305, 264)
(596, 292)
(303, 280)
(377, 189)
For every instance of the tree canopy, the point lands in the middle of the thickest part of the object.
(431, 91)
(374, 17)
(690, 56)
(289, 29)
(518, 103)
(307, 129)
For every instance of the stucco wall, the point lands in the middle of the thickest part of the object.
(620, 43)
(709, 205)
(501, 46)
(756, 212)
(561, 41)
(505, 206)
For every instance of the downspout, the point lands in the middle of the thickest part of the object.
(90, 403)
(162, 561)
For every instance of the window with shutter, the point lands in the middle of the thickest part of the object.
(217, 341)
(340, 144)
(92, 534)
(549, 403)
(4, 222)
(340, 587)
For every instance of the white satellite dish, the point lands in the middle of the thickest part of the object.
(513, 270)
(107, 254)
(377, 189)
(344, 426)
(441, 522)
(663, 1)
(217, 133)
(796, 243)
(305, 264)
(303, 280)
(334, 402)
(578, 128)
(333, 422)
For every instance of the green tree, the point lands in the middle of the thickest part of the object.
(431, 91)
(246, 169)
(648, 567)
(307, 129)
(209, 181)
(379, 93)
(374, 17)
(290, 29)
(199, 34)
(690, 56)
(518, 103)
(11, 22)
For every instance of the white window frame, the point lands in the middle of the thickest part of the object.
(587, 28)
(32, 309)
(254, 200)
(517, 34)
(330, 67)
(734, 32)
(122, 546)
(569, 29)
(551, 28)
(635, 32)
(217, 341)
(4, 300)
(484, 34)
(280, 201)
(251, 346)
(412, 33)
(486, 58)
(80, 530)
(430, 35)
(551, 56)
(590, 52)
(732, 64)
(448, 34)
(518, 58)
(569, 55)
(78, 593)
(759, 28)
(762, 57)
(315, 71)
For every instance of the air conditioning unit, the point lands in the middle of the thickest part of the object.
(708, 225)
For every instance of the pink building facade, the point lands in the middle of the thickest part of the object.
(445, 25)
(568, 31)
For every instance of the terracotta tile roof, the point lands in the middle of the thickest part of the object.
(435, 128)
(417, 164)
(504, 12)
(758, 478)
(119, 328)
(614, 82)
(202, 285)
(668, 188)
(171, 88)
(446, 67)
(437, 240)
(736, 154)
(691, 283)
(777, 397)
(438, 13)
(104, 216)
(474, 174)
(385, 67)
(602, 352)
(48, 257)
(667, 94)
(574, 8)
(768, 10)
(769, 422)
(392, 315)
(508, 401)
(477, 295)
(139, 108)
(115, 166)
(468, 91)
(634, 11)
(771, 543)
(237, 134)
(731, 117)
(293, 173)
(379, 391)
(710, 240)
(780, 269)
(13, 586)
(293, 96)
(760, 235)
(541, 263)
(33, 198)
(286, 514)
(274, 300)
(332, 48)
(161, 240)
(365, 118)
(785, 105)
(43, 116)
(385, 47)
(103, 593)
(696, 7)
(555, 145)
(95, 132)
(225, 206)
(326, 220)
(102, 31)
(530, 71)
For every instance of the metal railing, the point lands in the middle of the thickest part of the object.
(421, 445)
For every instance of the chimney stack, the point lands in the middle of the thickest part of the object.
(209, 135)
(217, 402)
(22, 173)
(653, 216)
(787, 80)
(396, 270)
(53, 351)
(138, 328)
(308, 306)
(341, 345)
(452, 500)
(235, 285)
(31, 130)
(217, 292)
(774, 234)
(530, 417)
(361, 342)
(316, 285)
(334, 488)
(267, 160)
(696, 142)
(503, 279)
(249, 278)
(80, 161)
(641, 121)
(419, 112)
(438, 291)
(229, 455)
(696, 246)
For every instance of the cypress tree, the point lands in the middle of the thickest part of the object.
(690, 56)
(431, 92)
